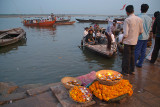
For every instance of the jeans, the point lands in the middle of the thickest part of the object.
(140, 50)
(128, 63)
(156, 50)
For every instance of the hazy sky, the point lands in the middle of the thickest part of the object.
(101, 7)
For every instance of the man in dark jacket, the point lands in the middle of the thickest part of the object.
(156, 33)
(89, 38)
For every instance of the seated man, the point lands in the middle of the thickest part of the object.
(98, 36)
(89, 38)
(120, 36)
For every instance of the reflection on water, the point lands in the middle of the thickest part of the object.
(36, 27)
(14, 46)
(105, 63)
(49, 54)
(51, 29)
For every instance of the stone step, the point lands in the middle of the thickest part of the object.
(42, 100)
(12, 97)
(40, 89)
(62, 95)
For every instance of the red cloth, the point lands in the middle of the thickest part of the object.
(123, 7)
(87, 78)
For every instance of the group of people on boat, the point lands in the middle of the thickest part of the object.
(39, 20)
(133, 35)
(100, 35)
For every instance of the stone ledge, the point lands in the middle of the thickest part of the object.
(12, 97)
(41, 89)
(63, 96)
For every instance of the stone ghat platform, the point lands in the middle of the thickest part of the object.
(146, 86)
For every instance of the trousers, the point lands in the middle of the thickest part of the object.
(140, 51)
(155, 50)
(128, 63)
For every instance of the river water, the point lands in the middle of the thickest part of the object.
(49, 54)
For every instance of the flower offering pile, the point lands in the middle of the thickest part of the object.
(80, 94)
(72, 83)
(108, 75)
(105, 92)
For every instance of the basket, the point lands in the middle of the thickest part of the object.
(109, 83)
(67, 79)
(78, 101)
(105, 82)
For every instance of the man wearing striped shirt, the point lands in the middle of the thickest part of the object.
(141, 46)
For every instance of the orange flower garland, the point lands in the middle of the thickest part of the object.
(104, 92)
(80, 94)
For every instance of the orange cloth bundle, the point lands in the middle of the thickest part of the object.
(104, 92)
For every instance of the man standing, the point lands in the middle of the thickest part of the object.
(141, 46)
(156, 32)
(111, 28)
(133, 27)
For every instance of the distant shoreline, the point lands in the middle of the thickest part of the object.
(45, 15)
(59, 15)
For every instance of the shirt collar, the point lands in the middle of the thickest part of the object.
(131, 15)
(143, 13)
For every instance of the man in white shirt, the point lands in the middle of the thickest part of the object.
(84, 35)
(120, 36)
(85, 31)
(111, 27)
(133, 27)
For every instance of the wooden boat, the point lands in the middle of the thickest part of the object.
(12, 36)
(98, 21)
(63, 20)
(3, 31)
(46, 23)
(119, 19)
(83, 20)
(101, 49)
(65, 23)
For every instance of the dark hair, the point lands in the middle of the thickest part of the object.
(90, 30)
(114, 21)
(121, 29)
(144, 8)
(156, 14)
(86, 28)
(106, 34)
(130, 9)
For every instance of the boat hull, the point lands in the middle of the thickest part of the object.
(100, 50)
(40, 24)
(65, 20)
(5, 42)
(83, 20)
(99, 21)
(65, 23)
